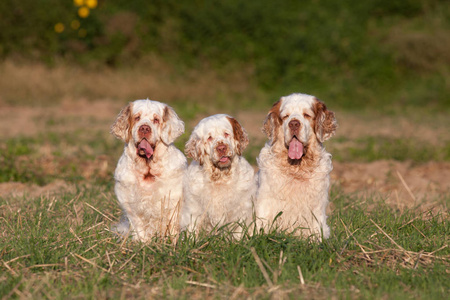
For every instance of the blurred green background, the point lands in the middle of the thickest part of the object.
(380, 54)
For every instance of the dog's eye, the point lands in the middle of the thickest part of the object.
(137, 118)
(285, 117)
(210, 138)
(307, 116)
(156, 121)
(226, 134)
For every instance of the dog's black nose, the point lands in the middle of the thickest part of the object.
(294, 124)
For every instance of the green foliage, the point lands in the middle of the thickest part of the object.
(356, 53)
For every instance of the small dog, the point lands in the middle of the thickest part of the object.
(219, 184)
(294, 166)
(150, 171)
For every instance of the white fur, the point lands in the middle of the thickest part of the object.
(149, 190)
(214, 195)
(299, 189)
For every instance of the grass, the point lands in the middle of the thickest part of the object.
(73, 156)
(372, 148)
(59, 246)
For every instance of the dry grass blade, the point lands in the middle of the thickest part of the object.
(189, 270)
(128, 260)
(201, 284)
(366, 255)
(417, 260)
(261, 267)
(443, 247)
(172, 228)
(74, 199)
(421, 233)
(400, 247)
(300, 275)
(92, 227)
(89, 262)
(409, 222)
(39, 221)
(73, 232)
(44, 266)
(9, 268)
(237, 292)
(99, 211)
(125, 238)
(90, 248)
(406, 186)
(109, 261)
(281, 262)
(200, 248)
(18, 257)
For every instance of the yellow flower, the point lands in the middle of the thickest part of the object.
(83, 12)
(78, 2)
(75, 24)
(59, 27)
(91, 3)
(82, 32)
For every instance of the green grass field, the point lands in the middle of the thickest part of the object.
(60, 247)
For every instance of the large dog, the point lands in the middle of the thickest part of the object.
(219, 185)
(149, 172)
(294, 166)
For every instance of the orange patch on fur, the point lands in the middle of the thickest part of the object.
(239, 135)
(122, 127)
(273, 121)
(324, 123)
(166, 114)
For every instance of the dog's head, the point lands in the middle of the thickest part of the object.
(217, 140)
(144, 124)
(297, 121)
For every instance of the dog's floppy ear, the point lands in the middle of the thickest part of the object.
(172, 126)
(240, 135)
(273, 122)
(325, 122)
(193, 148)
(122, 126)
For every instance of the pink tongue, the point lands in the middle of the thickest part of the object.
(224, 159)
(145, 146)
(295, 149)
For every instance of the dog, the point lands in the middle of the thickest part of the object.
(294, 167)
(148, 176)
(219, 185)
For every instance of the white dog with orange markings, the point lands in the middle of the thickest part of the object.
(294, 176)
(219, 185)
(150, 171)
